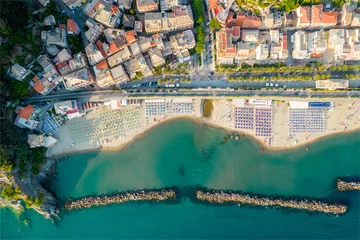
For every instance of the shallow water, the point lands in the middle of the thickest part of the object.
(186, 154)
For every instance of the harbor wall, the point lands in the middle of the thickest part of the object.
(347, 185)
(142, 195)
(255, 200)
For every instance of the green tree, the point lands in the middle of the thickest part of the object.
(200, 40)
(214, 24)
(8, 193)
(39, 199)
(19, 89)
(199, 11)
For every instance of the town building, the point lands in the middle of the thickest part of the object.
(26, 117)
(180, 18)
(71, 27)
(183, 40)
(93, 54)
(157, 58)
(145, 6)
(49, 21)
(41, 140)
(103, 11)
(18, 72)
(332, 84)
(128, 21)
(226, 50)
(136, 65)
(103, 75)
(63, 56)
(78, 74)
(279, 49)
(262, 51)
(69, 108)
(250, 36)
(144, 44)
(48, 79)
(119, 75)
(56, 37)
(135, 49)
(166, 5)
(78, 79)
(119, 57)
(124, 4)
(94, 31)
(138, 26)
(252, 22)
(303, 17)
(243, 52)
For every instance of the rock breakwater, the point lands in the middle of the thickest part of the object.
(303, 204)
(347, 186)
(143, 195)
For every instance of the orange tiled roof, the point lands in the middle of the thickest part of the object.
(212, 3)
(112, 47)
(102, 65)
(114, 9)
(60, 65)
(236, 22)
(39, 86)
(71, 25)
(284, 42)
(235, 31)
(101, 48)
(36, 78)
(252, 21)
(130, 36)
(62, 26)
(305, 14)
(316, 13)
(330, 17)
(26, 112)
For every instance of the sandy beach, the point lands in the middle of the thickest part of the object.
(106, 129)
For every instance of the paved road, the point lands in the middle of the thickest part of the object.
(108, 94)
(74, 15)
(222, 83)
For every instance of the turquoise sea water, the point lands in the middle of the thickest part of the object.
(185, 154)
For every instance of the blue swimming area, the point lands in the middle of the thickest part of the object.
(186, 154)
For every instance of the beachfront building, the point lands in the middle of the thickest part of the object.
(26, 117)
(332, 84)
(40, 140)
(78, 79)
(119, 75)
(69, 108)
(157, 58)
(103, 75)
(137, 67)
(226, 49)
